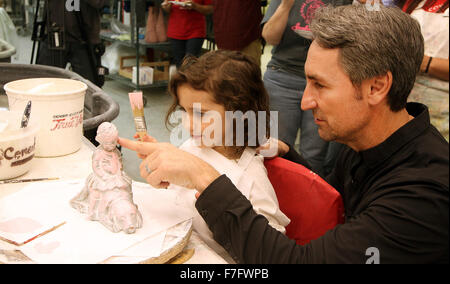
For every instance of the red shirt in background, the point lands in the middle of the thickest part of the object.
(186, 24)
(431, 6)
(237, 23)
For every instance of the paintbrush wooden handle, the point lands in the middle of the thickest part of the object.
(25, 180)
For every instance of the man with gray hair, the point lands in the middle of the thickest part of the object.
(393, 174)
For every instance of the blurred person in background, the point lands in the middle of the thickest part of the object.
(237, 26)
(286, 27)
(73, 36)
(432, 83)
(186, 28)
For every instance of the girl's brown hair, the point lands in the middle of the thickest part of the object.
(233, 79)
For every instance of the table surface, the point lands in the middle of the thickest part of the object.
(78, 166)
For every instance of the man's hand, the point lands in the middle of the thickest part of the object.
(273, 148)
(166, 164)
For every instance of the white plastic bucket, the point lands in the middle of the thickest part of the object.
(17, 145)
(57, 106)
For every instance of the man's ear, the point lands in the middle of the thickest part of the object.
(379, 88)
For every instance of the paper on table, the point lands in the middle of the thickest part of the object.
(84, 241)
(141, 252)
(150, 247)
(26, 214)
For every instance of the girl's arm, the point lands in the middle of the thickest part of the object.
(273, 30)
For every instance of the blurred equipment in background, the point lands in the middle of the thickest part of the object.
(61, 36)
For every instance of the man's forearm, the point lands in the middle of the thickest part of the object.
(230, 216)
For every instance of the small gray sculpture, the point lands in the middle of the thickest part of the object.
(107, 196)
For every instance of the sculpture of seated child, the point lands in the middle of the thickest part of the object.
(107, 196)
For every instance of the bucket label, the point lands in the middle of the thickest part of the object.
(69, 120)
(17, 157)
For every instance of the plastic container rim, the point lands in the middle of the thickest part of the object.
(10, 89)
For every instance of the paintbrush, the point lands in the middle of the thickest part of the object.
(137, 106)
(25, 180)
